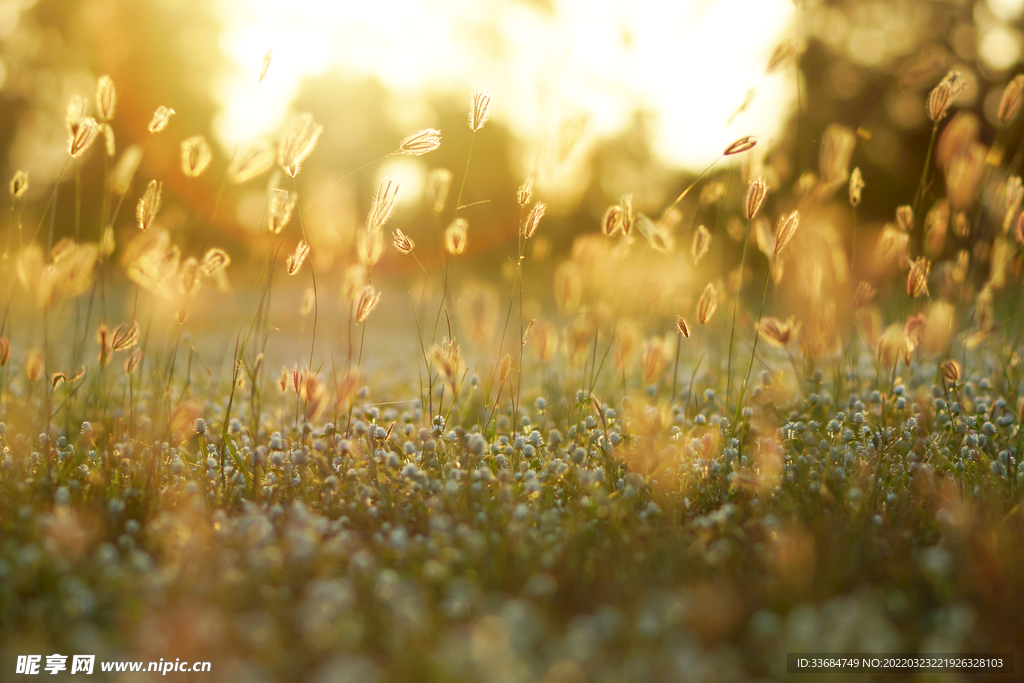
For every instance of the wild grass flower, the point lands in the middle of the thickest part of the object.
(214, 261)
(782, 53)
(439, 183)
(837, 144)
(1013, 97)
(266, 64)
(863, 295)
(108, 139)
(131, 363)
(757, 192)
(125, 336)
(447, 358)
(34, 364)
(739, 146)
(455, 236)
(701, 244)
(106, 98)
(367, 301)
(943, 95)
(369, 246)
(905, 218)
(682, 326)
(421, 142)
(298, 143)
(124, 170)
(964, 176)
(149, 205)
(383, 205)
(524, 195)
(402, 242)
(612, 221)
(297, 258)
(19, 184)
(856, 186)
(788, 225)
(161, 117)
(951, 370)
(255, 160)
(935, 225)
(707, 304)
(5, 351)
(279, 210)
(195, 156)
(84, 134)
(479, 109)
(917, 277)
(533, 220)
(778, 332)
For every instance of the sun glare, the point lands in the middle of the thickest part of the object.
(689, 65)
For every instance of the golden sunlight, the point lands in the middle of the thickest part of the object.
(696, 68)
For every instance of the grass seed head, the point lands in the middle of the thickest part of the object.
(707, 304)
(108, 139)
(788, 225)
(439, 182)
(757, 192)
(403, 243)
(1013, 97)
(905, 217)
(19, 184)
(297, 258)
(75, 112)
(533, 219)
(124, 171)
(524, 195)
(149, 205)
(701, 244)
(455, 236)
(279, 211)
(369, 246)
(125, 336)
(85, 132)
(856, 186)
(612, 221)
(34, 364)
(950, 370)
(917, 277)
(479, 109)
(161, 117)
(368, 300)
(862, 295)
(421, 142)
(383, 205)
(298, 143)
(5, 351)
(195, 156)
(837, 145)
(132, 362)
(682, 326)
(936, 222)
(740, 146)
(106, 98)
(215, 260)
(778, 332)
(255, 160)
(266, 63)
(963, 176)
(943, 95)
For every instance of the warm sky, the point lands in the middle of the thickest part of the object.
(691, 63)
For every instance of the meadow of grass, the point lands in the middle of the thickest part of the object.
(733, 427)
